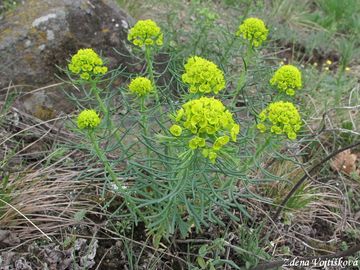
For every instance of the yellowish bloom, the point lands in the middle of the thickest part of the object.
(210, 154)
(209, 124)
(280, 118)
(85, 76)
(146, 33)
(197, 142)
(220, 142)
(254, 30)
(176, 130)
(141, 86)
(88, 64)
(261, 127)
(347, 69)
(287, 79)
(88, 119)
(203, 76)
(328, 62)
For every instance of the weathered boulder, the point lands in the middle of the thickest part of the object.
(40, 35)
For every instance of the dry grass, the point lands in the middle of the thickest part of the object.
(44, 194)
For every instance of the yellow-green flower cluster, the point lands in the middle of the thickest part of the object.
(87, 63)
(203, 76)
(287, 79)
(209, 121)
(88, 119)
(281, 118)
(141, 86)
(254, 30)
(145, 32)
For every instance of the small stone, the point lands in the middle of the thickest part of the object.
(27, 43)
(50, 35)
(42, 47)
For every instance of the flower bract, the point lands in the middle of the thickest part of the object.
(280, 118)
(87, 64)
(203, 76)
(88, 119)
(146, 33)
(208, 124)
(287, 79)
(254, 30)
(141, 86)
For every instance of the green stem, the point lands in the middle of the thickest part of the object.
(103, 159)
(150, 70)
(103, 108)
(203, 32)
(176, 186)
(105, 111)
(242, 80)
(101, 103)
(143, 115)
(100, 154)
(144, 124)
(239, 86)
(226, 54)
(258, 152)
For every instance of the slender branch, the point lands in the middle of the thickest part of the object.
(302, 180)
(150, 71)
(109, 121)
(103, 158)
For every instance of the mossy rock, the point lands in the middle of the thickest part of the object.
(40, 35)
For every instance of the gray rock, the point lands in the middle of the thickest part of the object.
(42, 34)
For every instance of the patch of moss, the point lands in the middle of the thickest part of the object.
(44, 113)
(7, 5)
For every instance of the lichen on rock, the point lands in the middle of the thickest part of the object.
(42, 34)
